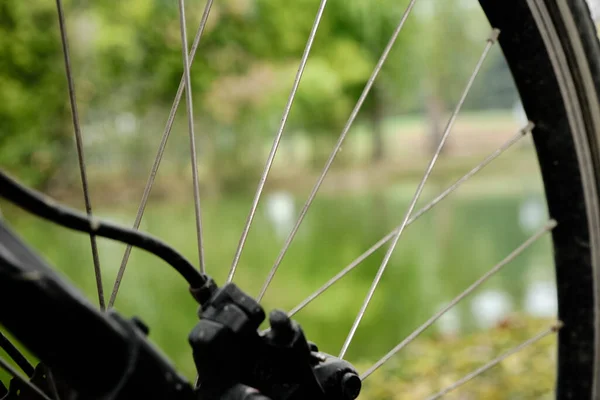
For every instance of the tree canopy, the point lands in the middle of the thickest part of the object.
(127, 57)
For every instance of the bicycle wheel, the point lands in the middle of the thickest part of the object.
(566, 111)
(553, 53)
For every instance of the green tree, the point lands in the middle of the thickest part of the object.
(451, 43)
(349, 42)
(369, 26)
(34, 114)
(127, 59)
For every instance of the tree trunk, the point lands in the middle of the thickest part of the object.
(435, 122)
(377, 115)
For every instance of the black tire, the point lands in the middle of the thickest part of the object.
(552, 49)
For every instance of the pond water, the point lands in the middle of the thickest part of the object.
(438, 256)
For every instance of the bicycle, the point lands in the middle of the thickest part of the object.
(552, 50)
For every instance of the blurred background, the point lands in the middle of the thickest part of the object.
(127, 67)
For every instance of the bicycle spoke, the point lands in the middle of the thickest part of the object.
(418, 214)
(548, 227)
(8, 368)
(159, 154)
(52, 383)
(553, 329)
(490, 42)
(190, 118)
(79, 145)
(18, 357)
(271, 157)
(337, 147)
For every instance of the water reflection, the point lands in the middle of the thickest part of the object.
(450, 323)
(532, 214)
(281, 212)
(490, 307)
(541, 300)
(437, 258)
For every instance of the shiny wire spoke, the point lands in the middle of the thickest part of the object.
(515, 139)
(52, 383)
(490, 42)
(525, 245)
(271, 157)
(553, 329)
(12, 371)
(159, 154)
(79, 145)
(190, 119)
(337, 146)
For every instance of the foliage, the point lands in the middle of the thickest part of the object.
(127, 60)
(432, 364)
(445, 60)
(33, 110)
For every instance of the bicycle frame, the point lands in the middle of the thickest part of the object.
(101, 355)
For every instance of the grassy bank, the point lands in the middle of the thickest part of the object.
(430, 365)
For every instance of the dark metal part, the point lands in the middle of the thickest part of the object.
(42, 380)
(16, 355)
(232, 358)
(99, 355)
